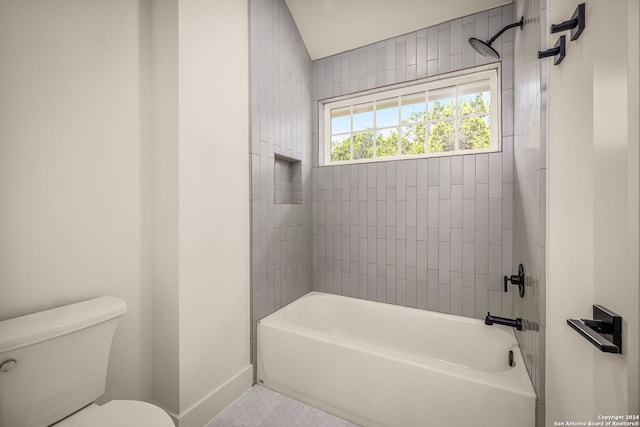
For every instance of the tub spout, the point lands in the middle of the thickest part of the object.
(515, 323)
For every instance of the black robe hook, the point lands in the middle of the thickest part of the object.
(576, 24)
(558, 51)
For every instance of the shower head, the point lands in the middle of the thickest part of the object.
(485, 49)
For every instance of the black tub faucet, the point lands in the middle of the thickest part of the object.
(515, 323)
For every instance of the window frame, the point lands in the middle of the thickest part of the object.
(491, 72)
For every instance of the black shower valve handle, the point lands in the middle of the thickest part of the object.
(517, 280)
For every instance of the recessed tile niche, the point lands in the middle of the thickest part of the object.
(288, 179)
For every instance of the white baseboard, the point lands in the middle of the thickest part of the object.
(205, 410)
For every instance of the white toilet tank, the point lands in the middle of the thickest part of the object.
(61, 358)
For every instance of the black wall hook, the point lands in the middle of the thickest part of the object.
(516, 280)
(558, 52)
(576, 24)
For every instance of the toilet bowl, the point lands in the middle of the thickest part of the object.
(120, 413)
(53, 366)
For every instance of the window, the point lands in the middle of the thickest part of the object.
(453, 115)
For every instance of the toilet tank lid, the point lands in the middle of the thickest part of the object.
(37, 327)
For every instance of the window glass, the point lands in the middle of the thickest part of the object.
(363, 145)
(442, 103)
(473, 133)
(441, 136)
(362, 117)
(413, 108)
(340, 120)
(387, 113)
(456, 115)
(412, 139)
(387, 143)
(340, 148)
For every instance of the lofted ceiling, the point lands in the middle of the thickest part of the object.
(333, 26)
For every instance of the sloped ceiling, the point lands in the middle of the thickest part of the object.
(333, 26)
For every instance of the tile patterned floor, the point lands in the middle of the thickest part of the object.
(267, 408)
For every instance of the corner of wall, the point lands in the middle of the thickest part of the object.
(281, 126)
(203, 411)
(530, 189)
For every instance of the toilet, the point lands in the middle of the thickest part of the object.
(53, 365)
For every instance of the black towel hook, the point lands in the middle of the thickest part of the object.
(558, 52)
(576, 24)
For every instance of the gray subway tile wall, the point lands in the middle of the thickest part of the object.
(280, 125)
(526, 212)
(435, 233)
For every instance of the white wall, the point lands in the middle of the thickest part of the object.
(162, 42)
(124, 171)
(71, 201)
(370, 21)
(592, 213)
(213, 206)
(199, 107)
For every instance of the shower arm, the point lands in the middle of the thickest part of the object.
(499, 33)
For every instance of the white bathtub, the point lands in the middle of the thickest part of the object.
(383, 365)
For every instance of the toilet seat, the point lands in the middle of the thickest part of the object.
(120, 413)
